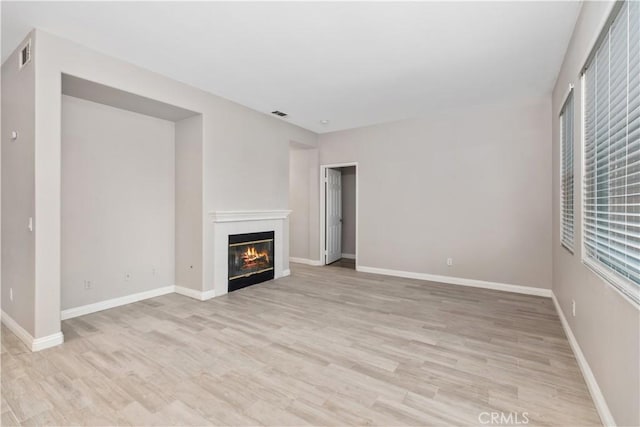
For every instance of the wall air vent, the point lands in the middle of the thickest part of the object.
(279, 113)
(25, 55)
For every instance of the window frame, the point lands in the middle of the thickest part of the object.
(569, 246)
(623, 286)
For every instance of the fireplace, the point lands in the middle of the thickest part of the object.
(251, 259)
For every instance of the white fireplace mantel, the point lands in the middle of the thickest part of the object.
(233, 216)
(225, 223)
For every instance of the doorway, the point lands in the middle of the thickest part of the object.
(339, 215)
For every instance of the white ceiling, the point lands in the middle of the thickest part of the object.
(353, 64)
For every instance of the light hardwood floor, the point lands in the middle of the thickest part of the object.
(345, 263)
(325, 346)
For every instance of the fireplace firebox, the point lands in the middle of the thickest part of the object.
(250, 259)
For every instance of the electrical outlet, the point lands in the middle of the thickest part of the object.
(11, 294)
(87, 284)
(573, 307)
(449, 262)
(127, 276)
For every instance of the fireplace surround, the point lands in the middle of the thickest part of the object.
(228, 223)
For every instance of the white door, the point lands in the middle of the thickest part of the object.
(334, 216)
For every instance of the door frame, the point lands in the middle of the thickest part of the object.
(323, 203)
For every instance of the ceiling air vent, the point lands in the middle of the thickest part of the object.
(25, 54)
(279, 113)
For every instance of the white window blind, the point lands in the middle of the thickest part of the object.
(566, 173)
(612, 153)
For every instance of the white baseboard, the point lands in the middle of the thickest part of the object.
(596, 394)
(315, 262)
(286, 273)
(192, 293)
(47, 342)
(18, 330)
(115, 302)
(349, 256)
(34, 344)
(528, 290)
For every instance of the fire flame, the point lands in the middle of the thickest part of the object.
(251, 256)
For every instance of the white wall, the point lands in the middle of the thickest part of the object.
(606, 325)
(189, 218)
(117, 202)
(471, 184)
(18, 190)
(349, 210)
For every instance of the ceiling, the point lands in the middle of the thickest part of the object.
(352, 63)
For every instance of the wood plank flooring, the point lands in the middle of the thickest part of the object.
(345, 263)
(325, 346)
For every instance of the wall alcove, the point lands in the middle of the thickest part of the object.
(131, 205)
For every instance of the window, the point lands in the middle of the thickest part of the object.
(612, 152)
(566, 173)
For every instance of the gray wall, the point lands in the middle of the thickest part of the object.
(117, 202)
(349, 210)
(606, 325)
(18, 190)
(471, 184)
(189, 218)
(240, 147)
(304, 193)
(299, 202)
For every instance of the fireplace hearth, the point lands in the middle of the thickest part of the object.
(251, 259)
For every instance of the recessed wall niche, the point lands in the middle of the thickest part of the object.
(131, 195)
